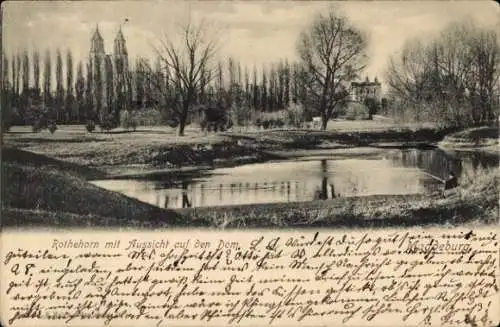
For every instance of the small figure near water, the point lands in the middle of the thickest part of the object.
(451, 182)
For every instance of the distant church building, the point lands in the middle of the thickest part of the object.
(110, 76)
(362, 90)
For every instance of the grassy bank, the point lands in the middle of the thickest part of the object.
(474, 201)
(40, 191)
(47, 184)
(485, 138)
(44, 192)
(153, 148)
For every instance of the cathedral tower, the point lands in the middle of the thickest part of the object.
(110, 83)
(97, 65)
(120, 55)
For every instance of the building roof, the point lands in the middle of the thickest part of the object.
(97, 34)
(365, 83)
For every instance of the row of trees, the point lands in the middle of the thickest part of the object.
(28, 90)
(228, 83)
(189, 76)
(452, 79)
(332, 53)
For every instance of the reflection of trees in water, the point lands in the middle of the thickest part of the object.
(477, 160)
(322, 192)
(435, 162)
(185, 200)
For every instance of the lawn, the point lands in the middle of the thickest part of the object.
(151, 148)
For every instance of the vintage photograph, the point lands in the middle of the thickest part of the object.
(249, 114)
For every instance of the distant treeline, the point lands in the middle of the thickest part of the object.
(27, 90)
(452, 79)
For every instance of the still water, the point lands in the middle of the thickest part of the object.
(395, 172)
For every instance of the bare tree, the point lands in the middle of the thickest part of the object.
(14, 72)
(18, 73)
(47, 79)
(255, 89)
(405, 75)
(139, 76)
(36, 71)
(69, 86)
(185, 66)
(451, 78)
(25, 95)
(286, 77)
(90, 113)
(5, 71)
(332, 52)
(80, 92)
(26, 71)
(263, 94)
(6, 95)
(59, 87)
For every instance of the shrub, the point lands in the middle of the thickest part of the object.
(279, 123)
(128, 121)
(125, 119)
(265, 124)
(203, 125)
(295, 115)
(357, 111)
(173, 123)
(38, 116)
(90, 126)
(52, 127)
(258, 123)
(133, 124)
(36, 127)
(108, 122)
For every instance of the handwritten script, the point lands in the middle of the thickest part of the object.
(365, 278)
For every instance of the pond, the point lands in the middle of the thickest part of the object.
(395, 172)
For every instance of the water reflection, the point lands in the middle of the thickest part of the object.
(322, 191)
(399, 172)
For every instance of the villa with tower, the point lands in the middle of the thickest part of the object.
(111, 85)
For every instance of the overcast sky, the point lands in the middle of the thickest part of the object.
(252, 31)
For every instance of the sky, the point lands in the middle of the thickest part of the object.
(255, 32)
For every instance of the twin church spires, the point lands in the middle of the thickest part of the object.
(97, 43)
(109, 71)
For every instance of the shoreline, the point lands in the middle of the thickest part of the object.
(62, 168)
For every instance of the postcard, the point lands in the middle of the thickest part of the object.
(250, 163)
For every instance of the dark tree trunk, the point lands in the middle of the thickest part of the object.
(183, 119)
(324, 122)
(182, 125)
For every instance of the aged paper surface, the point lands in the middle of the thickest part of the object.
(413, 277)
(254, 163)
